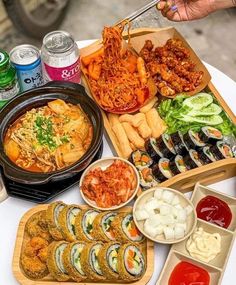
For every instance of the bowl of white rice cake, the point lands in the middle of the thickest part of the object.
(164, 215)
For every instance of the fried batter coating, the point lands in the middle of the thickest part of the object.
(43, 254)
(33, 267)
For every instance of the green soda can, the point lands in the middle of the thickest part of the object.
(9, 86)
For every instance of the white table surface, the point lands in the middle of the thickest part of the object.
(11, 210)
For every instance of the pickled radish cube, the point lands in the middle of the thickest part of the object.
(165, 209)
(149, 229)
(158, 194)
(179, 232)
(155, 220)
(151, 205)
(167, 220)
(175, 212)
(160, 229)
(167, 196)
(141, 215)
(175, 201)
(181, 225)
(169, 233)
(178, 206)
(159, 204)
(188, 210)
(181, 215)
(150, 212)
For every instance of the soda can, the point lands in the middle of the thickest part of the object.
(27, 61)
(60, 58)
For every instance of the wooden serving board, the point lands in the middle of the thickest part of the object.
(184, 182)
(22, 237)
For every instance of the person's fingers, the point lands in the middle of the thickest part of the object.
(161, 5)
(172, 13)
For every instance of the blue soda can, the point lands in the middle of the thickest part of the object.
(27, 61)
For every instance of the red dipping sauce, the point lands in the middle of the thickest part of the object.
(186, 273)
(215, 211)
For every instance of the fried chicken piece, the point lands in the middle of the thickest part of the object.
(34, 267)
(33, 246)
(43, 254)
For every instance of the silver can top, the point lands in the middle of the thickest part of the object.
(24, 54)
(58, 42)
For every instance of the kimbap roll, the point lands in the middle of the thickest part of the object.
(125, 229)
(192, 140)
(55, 261)
(52, 214)
(102, 229)
(161, 170)
(177, 165)
(152, 149)
(84, 224)
(205, 155)
(107, 258)
(67, 222)
(72, 261)
(221, 150)
(210, 135)
(178, 142)
(140, 159)
(192, 159)
(165, 144)
(147, 179)
(131, 262)
(90, 263)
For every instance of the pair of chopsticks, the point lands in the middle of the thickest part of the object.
(139, 12)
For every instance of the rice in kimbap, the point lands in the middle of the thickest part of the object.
(55, 261)
(140, 159)
(152, 149)
(210, 135)
(205, 155)
(178, 142)
(177, 165)
(72, 261)
(147, 179)
(125, 229)
(67, 222)
(102, 229)
(192, 159)
(192, 140)
(161, 170)
(84, 224)
(52, 214)
(165, 144)
(107, 258)
(90, 263)
(221, 150)
(131, 262)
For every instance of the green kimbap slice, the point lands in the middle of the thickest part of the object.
(192, 160)
(221, 150)
(153, 150)
(210, 135)
(147, 179)
(177, 165)
(178, 142)
(192, 140)
(205, 155)
(93, 258)
(140, 159)
(161, 170)
(165, 144)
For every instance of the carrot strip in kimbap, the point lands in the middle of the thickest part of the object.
(165, 144)
(102, 229)
(152, 149)
(147, 179)
(192, 140)
(72, 261)
(178, 142)
(205, 155)
(84, 224)
(177, 165)
(131, 262)
(192, 159)
(125, 229)
(140, 159)
(210, 135)
(221, 150)
(107, 258)
(162, 171)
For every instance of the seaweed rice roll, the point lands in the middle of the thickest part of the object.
(177, 165)
(192, 140)
(147, 179)
(140, 159)
(165, 144)
(221, 150)
(192, 159)
(152, 149)
(178, 142)
(205, 155)
(210, 135)
(162, 170)
(131, 262)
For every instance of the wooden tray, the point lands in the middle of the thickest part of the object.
(184, 182)
(22, 237)
(215, 267)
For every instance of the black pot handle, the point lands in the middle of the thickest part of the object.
(66, 85)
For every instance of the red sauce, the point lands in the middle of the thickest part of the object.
(186, 273)
(215, 211)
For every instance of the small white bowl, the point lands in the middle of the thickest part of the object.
(184, 201)
(103, 164)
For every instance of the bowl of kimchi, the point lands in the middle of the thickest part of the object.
(109, 183)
